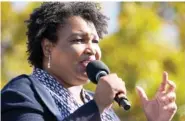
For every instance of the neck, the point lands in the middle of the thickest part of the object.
(63, 83)
(75, 90)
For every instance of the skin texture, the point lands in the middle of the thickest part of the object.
(77, 41)
(162, 107)
(77, 45)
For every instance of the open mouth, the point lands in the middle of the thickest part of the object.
(85, 63)
(86, 60)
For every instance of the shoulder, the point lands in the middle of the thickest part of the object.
(19, 92)
(18, 83)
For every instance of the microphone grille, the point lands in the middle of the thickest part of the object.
(94, 67)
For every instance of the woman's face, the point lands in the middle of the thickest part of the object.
(77, 45)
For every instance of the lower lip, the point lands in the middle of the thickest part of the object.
(84, 65)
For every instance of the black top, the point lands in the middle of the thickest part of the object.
(25, 99)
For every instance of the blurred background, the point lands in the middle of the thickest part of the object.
(145, 39)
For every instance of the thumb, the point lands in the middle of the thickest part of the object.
(142, 95)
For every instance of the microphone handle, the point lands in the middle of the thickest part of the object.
(122, 101)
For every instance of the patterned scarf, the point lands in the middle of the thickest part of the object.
(64, 100)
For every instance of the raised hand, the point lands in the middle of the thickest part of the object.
(162, 107)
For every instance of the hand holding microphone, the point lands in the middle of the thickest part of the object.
(109, 86)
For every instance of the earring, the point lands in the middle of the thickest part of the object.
(49, 61)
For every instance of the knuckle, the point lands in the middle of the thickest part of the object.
(114, 75)
(123, 82)
(163, 100)
(173, 108)
(172, 83)
(103, 78)
(172, 96)
(104, 81)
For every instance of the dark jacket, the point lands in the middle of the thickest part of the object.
(25, 99)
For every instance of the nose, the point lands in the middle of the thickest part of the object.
(90, 49)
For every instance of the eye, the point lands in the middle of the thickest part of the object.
(77, 40)
(95, 41)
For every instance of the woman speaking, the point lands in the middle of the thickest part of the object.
(62, 39)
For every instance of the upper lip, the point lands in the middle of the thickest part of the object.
(89, 59)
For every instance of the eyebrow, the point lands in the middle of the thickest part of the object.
(77, 34)
(82, 34)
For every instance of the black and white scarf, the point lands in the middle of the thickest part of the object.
(64, 100)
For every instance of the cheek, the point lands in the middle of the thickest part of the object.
(57, 57)
(77, 50)
(70, 53)
(98, 53)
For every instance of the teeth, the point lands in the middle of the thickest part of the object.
(85, 62)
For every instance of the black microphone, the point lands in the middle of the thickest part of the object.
(95, 70)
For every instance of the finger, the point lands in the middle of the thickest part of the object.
(171, 97)
(122, 86)
(142, 95)
(119, 86)
(164, 82)
(172, 86)
(168, 98)
(172, 107)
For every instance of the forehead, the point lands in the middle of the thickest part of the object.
(77, 24)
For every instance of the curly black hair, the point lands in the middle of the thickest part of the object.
(45, 20)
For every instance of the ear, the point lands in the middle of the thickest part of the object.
(46, 47)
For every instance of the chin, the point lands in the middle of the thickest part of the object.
(83, 78)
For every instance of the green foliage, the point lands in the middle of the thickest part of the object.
(138, 55)
(136, 52)
(13, 41)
